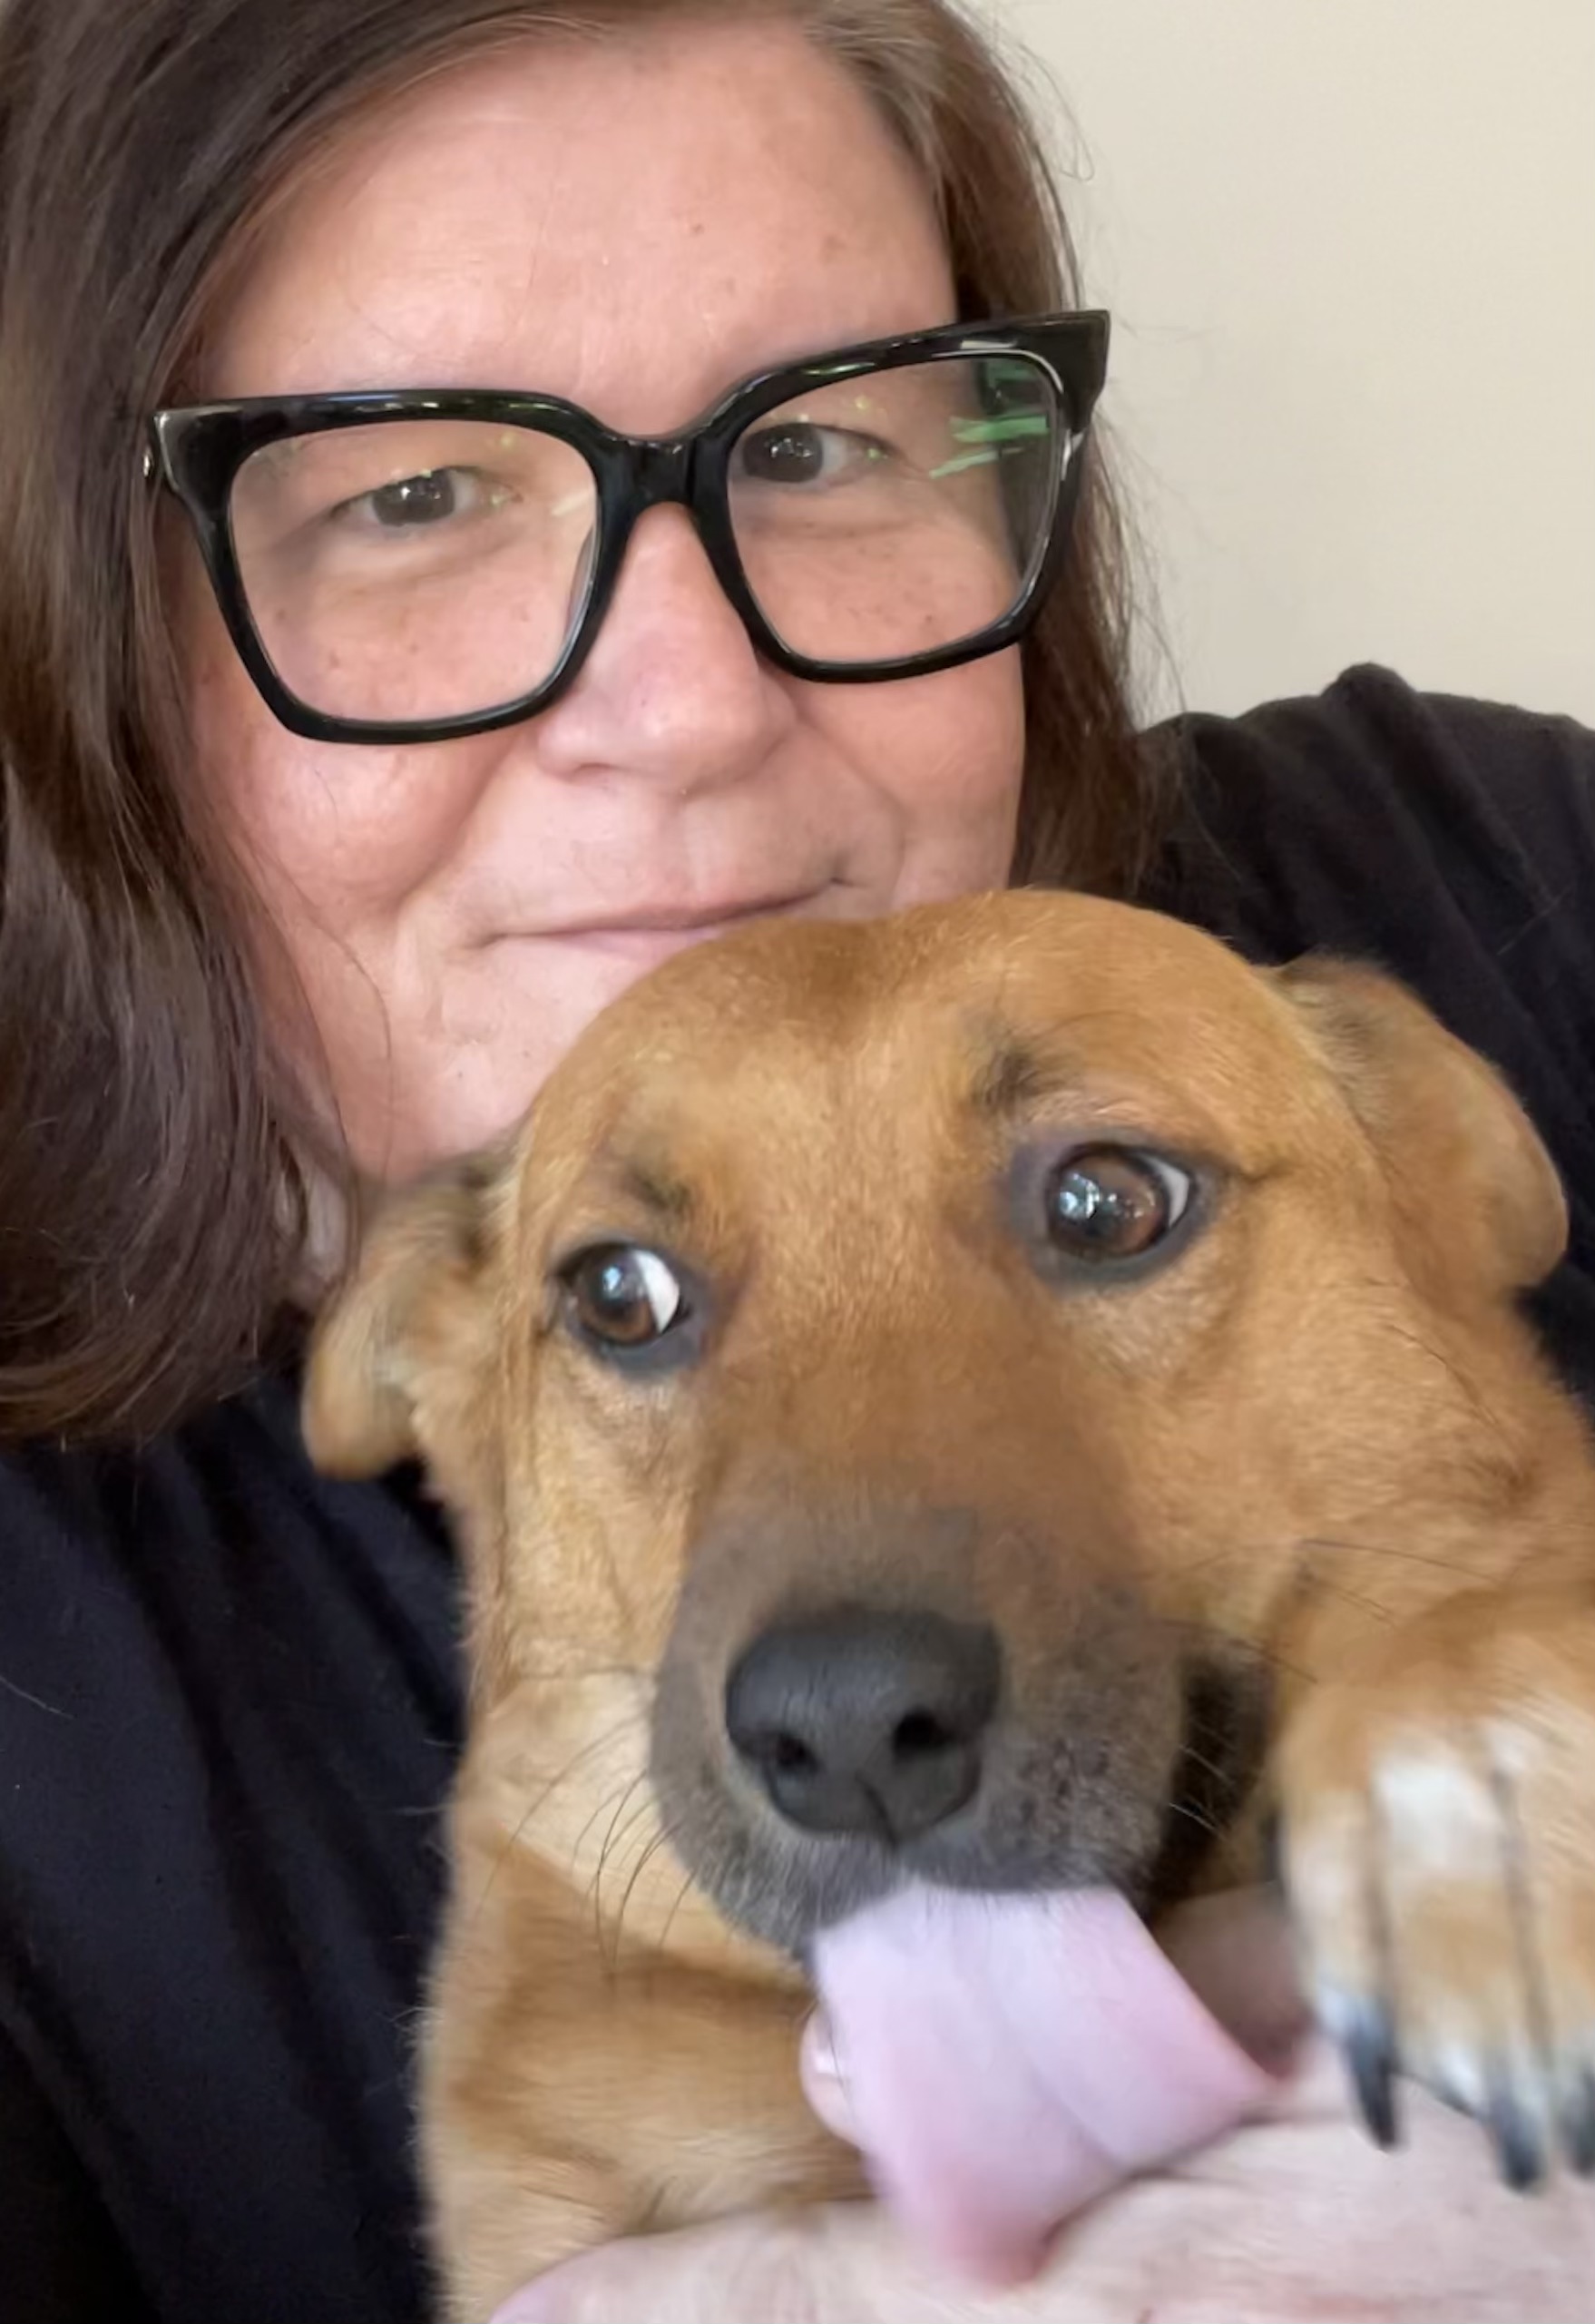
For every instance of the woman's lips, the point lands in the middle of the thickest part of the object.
(643, 942)
(646, 946)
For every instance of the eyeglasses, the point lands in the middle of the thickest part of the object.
(418, 565)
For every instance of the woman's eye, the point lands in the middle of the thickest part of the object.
(623, 1296)
(410, 503)
(800, 452)
(1108, 1203)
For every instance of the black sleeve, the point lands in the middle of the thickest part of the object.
(60, 2261)
(1450, 841)
(229, 1708)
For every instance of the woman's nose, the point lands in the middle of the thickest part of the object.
(671, 688)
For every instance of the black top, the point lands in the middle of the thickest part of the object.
(229, 1698)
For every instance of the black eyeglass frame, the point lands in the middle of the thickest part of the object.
(196, 451)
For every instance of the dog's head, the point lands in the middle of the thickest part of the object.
(933, 1360)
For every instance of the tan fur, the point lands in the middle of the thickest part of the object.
(1321, 1432)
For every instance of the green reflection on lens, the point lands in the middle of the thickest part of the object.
(986, 439)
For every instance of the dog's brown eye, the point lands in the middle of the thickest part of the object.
(623, 1294)
(1105, 1203)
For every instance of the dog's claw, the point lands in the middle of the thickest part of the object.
(1370, 2053)
(1519, 2145)
(1577, 2128)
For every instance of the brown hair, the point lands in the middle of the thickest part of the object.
(151, 1208)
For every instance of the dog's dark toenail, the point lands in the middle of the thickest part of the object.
(1578, 2127)
(1370, 2053)
(1519, 2143)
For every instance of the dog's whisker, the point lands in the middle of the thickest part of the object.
(1388, 1550)
(657, 1842)
(639, 1815)
(1482, 1410)
(1194, 1814)
(616, 1802)
(591, 1893)
(1248, 1653)
(1317, 1580)
(541, 1798)
(600, 1742)
(595, 1888)
(1206, 1629)
(1226, 1776)
(617, 1934)
(1326, 1587)
(682, 1893)
(1243, 1556)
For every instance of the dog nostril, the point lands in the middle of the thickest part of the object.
(859, 1720)
(919, 1735)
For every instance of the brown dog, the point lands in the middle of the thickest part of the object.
(900, 1377)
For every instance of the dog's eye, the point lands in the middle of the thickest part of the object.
(623, 1294)
(1107, 1203)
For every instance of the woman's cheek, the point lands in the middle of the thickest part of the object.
(948, 751)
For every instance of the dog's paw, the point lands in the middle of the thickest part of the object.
(1437, 1844)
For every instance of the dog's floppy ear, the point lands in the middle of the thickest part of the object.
(1476, 1192)
(408, 1322)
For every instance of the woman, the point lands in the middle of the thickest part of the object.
(254, 957)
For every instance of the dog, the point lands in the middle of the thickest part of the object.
(922, 1399)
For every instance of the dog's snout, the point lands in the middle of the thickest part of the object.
(858, 1721)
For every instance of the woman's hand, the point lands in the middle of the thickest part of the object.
(1295, 2214)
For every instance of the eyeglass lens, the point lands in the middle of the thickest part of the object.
(429, 568)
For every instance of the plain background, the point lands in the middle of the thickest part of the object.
(1349, 246)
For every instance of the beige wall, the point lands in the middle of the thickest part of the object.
(1350, 250)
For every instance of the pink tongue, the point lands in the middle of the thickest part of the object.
(1004, 2059)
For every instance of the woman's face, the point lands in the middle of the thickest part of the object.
(632, 223)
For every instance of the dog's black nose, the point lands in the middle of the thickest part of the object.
(862, 1721)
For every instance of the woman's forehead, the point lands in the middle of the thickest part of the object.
(633, 222)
